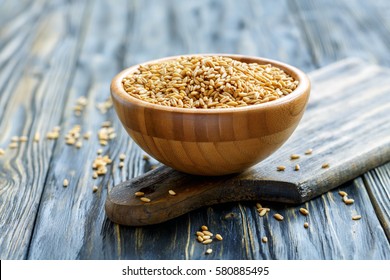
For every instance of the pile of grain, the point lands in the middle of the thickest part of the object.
(208, 82)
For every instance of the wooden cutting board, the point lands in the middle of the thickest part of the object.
(347, 125)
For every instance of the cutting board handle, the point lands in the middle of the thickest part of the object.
(192, 192)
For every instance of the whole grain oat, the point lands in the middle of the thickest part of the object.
(349, 201)
(219, 237)
(278, 217)
(208, 82)
(145, 199)
(207, 241)
(304, 211)
(37, 136)
(308, 151)
(342, 193)
(13, 145)
(281, 168)
(139, 194)
(65, 183)
(262, 212)
(209, 251)
(206, 232)
(294, 156)
(264, 239)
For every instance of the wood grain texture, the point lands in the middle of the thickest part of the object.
(44, 56)
(71, 223)
(334, 138)
(378, 187)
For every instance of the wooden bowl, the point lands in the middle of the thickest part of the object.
(212, 141)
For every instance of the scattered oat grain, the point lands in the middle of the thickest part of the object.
(343, 194)
(281, 168)
(294, 156)
(2, 152)
(199, 233)
(206, 232)
(258, 205)
(207, 241)
(87, 135)
(13, 145)
(15, 139)
(306, 225)
(325, 165)
(278, 217)
(304, 211)
(52, 135)
(171, 192)
(121, 164)
(145, 199)
(65, 183)
(95, 175)
(264, 239)
(262, 212)
(204, 227)
(23, 138)
(105, 105)
(308, 151)
(218, 237)
(99, 151)
(200, 238)
(349, 201)
(37, 136)
(79, 144)
(139, 194)
(209, 251)
(356, 217)
(297, 167)
(95, 189)
(122, 157)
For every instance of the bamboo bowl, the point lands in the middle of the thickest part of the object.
(212, 141)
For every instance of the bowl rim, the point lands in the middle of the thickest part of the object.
(118, 91)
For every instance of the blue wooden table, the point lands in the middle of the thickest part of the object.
(53, 53)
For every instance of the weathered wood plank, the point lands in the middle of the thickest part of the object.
(43, 64)
(344, 29)
(152, 29)
(75, 213)
(351, 28)
(378, 188)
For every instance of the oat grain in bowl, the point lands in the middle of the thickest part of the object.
(208, 82)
